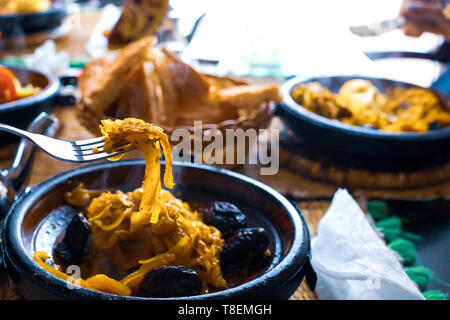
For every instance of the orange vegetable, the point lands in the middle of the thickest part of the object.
(99, 282)
(104, 283)
(7, 87)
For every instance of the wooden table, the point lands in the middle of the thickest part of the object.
(313, 197)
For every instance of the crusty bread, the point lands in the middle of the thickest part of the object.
(102, 82)
(191, 86)
(157, 86)
(249, 96)
(169, 94)
(135, 97)
(157, 107)
(92, 75)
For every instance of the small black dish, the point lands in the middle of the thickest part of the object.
(18, 25)
(41, 214)
(21, 112)
(367, 145)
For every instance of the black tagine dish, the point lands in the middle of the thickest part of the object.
(359, 142)
(40, 215)
(20, 24)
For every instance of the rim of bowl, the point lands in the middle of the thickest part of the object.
(297, 110)
(287, 267)
(46, 93)
(53, 9)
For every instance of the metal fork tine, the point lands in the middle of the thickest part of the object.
(87, 141)
(65, 150)
(88, 147)
(101, 155)
(89, 152)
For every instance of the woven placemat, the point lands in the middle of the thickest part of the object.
(8, 290)
(313, 212)
(304, 159)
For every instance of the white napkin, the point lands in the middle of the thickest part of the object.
(352, 262)
(48, 60)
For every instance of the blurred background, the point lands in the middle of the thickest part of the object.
(263, 38)
(265, 42)
(304, 38)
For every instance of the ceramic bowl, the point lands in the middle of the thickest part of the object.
(41, 214)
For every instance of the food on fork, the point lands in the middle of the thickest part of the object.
(146, 242)
(11, 89)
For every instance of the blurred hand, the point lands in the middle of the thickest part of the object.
(424, 16)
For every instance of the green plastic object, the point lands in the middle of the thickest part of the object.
(405, 249)
(434, 295)
(78, 62)
(410, 236)
(13, 62)
(378, 209)
(390, 227)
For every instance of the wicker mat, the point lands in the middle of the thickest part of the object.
(313, 212)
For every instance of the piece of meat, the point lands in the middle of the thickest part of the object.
(249, 96)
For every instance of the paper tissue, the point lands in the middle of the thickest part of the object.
(48, 59)
(350, 259)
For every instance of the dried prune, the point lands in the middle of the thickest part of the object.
(224, 216)
(243, 247)
(171, 281)
(73, 246)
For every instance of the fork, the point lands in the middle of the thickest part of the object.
(64, 150)
(378, 28)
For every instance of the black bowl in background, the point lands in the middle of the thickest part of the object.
(41, 214)
(21, 112)
(18, 25)
(373, 147)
